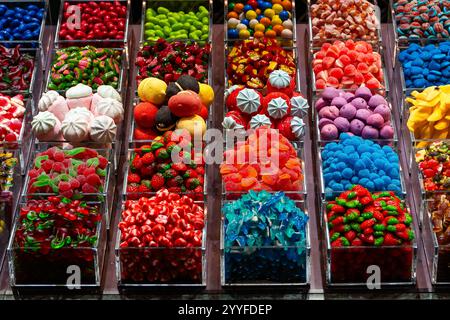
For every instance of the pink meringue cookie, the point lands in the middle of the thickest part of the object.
(53, 102)
(46, 127)
(79, 96)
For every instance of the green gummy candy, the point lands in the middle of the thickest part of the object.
(204, 37)
(149, 33)
(164, 23)
(177, 26)
(205, 20)
(192, 29)
(148, 25)
(205, 29)
(198, 24)
(172, 21)
(202, 15)
(154, 20)
(167, 31)
(161, 16)
(194, 36)
(150, 12)
(202, 9)
(162, 10)
(159, 33)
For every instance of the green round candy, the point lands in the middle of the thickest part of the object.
(163, 10)
(231, 6)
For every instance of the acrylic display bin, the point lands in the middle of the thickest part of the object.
(121, 85)
(181, 5)
(363, 266)
(53, 268)
(295, 53)
(285, 42)
(317, 42)
(292, 268)
(296, 195)
(32, 43)
(384, 90)
(99, 43)
(140, 267)
(105, 196)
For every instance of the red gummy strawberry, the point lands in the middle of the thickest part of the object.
(87, 188)
(157, 181)
(74, 183)
(180, 167)
(175, 181)
(67, 193)
(133, 178)
(162, 154)
(171, 146)
(59, 156)
(88, 171)
(136, 163)
(192, 183)
(147, 171)
(174, 190)
(132, 188)
(143, 188)
(64, 186)
(148, 158)
(167, 137)
(199, 189)
(58, 167)
(170, 173)
(190, 173)
(81, 179)
(144, 134)
(47, 165)
(93, 179)
(200, 170)
(285, 129)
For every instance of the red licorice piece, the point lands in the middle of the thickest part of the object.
(98, 20)
(167, 221)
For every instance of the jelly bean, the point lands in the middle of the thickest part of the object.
(16, 19)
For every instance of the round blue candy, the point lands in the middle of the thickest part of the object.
(247, 7)
(245, 21)
(284, 15)
(260, 17)
(347, 173)
(233, 34)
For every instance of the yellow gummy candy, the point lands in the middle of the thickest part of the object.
(441, 124)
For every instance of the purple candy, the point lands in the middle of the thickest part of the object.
(323, 122)
(369, 133)
(330, 93)
(375, 120)
(342, 124)
(384, 111)
(376, 100)
(387, 132)
(348, 111)
(356, 126)
(320, 104)
(338, 102)
(348, 96)
(329, 132)
(329, 112)
(359, 103)
(363, 92)
(363, 114)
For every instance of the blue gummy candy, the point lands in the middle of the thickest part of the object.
(347, 173)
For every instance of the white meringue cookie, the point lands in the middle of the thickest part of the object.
(75, 128)
(80, 112)
(260, 120)
(47, 100)
(299, 107)
(248, 100)
(279, 79)
(106, 91)
(46, 126)
(298, 127)
(277, 108)
(109, 107)
(103, 129)
(79, 91)
(230, 123)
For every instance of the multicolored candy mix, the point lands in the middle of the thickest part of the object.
(434, 165)
(16, 69)
(12, 110)
(7, 165)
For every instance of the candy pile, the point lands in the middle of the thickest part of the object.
(265, 161)
(348, 19)
(422, 19)
(20, 21)
(152, 167)
(361, 113)
(264, 220)
(16, 69)
(12, 111)
(250, 62)
(47, 232)
(69, 173)
(81, 116)
(428, 114)
(172, 25)
(347, 65)
(354, 160)
(182, 104)
(379, 222)
(281, 108)
(439, 208)
(358, 218)
(252, 18)
(87, 65)
(434, 165)
(7, 165)
(98, 20)
(169, 60)
(426, 66)
(168, 221)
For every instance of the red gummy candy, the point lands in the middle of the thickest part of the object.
(350, 70)
(328, 62)
(362, 67)
(336, 73)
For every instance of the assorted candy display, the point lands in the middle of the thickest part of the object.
(360, 113)
(21, 21)
(182, 104)
(170, 229)
(47, 233)
(434, 165)
(87, 65)
(347, 65)
(250, 62)
(170, 60)
(259, 19)
(72, 173)
(16, 69)
(418, 19)
(428, 113)
(12, 110)
(425, 66)
(81, 116)
(266, 160)
(99, 20)
(265, 239)
(354, 160)
(281, 108)
(367, 229)
(348, 19)
(8, 162)
(153, 167)
(170, 25)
